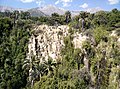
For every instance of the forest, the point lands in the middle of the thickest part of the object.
(103, 54)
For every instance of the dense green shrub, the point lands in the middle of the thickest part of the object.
(99, 34)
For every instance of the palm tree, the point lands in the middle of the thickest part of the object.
(7, 13)
(16, 13)
(30, 67)
(67, 16)
(35, 69)
(40, 70)
(50, 65)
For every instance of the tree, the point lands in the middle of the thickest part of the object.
(67, 16)
(115, 11)
(100, 18)
(82, 21)
(83, 14)
(78, 56)
(16, 13)
(55, 15)
(113, 17)
(50, 65)
(25, 15)
(7, 13)
(99, 34)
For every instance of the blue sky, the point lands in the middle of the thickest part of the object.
(66, 4)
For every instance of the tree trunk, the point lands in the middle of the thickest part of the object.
(78, 66)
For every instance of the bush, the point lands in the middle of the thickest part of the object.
(99, 33)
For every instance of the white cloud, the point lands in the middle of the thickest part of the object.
(26, 1)
(65, 3)
(113, 1)
(85, 5)
(39, 2)
(57, 2)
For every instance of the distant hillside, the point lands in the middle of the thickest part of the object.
(46, 10)
(35, 12)
(4, 8)
(52, 9)
(38, 11)
(11, 9)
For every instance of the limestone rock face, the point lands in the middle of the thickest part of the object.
(119, 40)
(78, 40)
(47, 41)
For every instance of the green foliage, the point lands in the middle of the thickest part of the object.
(68, 46)
(114, 17)
(78, 57)
(74, 24)
(81, 84)
(99, 34)
(100, 18)
(13, 47)
(67, 16)
(83, 14)
(70, 72)
(25, 15)
(90, 51)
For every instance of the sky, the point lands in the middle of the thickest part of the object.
(66, 4)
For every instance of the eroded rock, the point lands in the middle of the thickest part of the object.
(47, 41)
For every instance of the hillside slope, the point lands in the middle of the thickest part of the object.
(52, 42)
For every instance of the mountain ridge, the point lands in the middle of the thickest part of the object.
(44, 11)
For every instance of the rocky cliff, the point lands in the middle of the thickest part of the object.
(47, 41)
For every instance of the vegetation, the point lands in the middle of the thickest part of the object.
(101, 67)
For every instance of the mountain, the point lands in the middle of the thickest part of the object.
(51, 9)
(46, 10)
(74, 13)
(33, 11)
(94, 10)
(11, 9)
(36, 12)
(4, 8)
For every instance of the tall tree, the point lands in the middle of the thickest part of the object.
(67, 16)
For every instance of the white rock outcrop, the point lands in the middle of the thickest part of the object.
(78, 40)
(47, 41)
